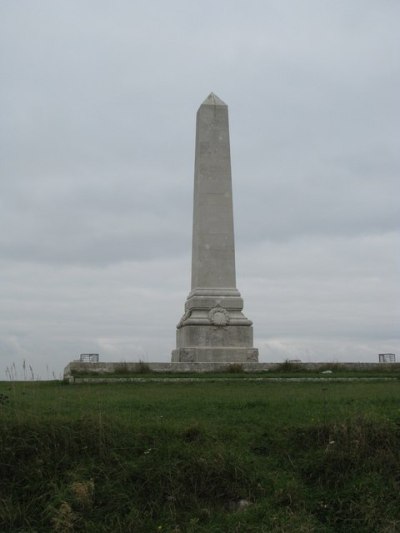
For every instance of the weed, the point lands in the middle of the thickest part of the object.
(289, 366)
(143, 368)
(83, 494)
(193, 433)
(64, 519)
(123, 368)
(234, 368)
(4, 399)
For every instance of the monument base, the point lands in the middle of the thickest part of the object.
(215, 355)
(213, 329)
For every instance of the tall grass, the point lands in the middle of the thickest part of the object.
(200, 457)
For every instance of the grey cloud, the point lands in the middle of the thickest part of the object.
(98, 107)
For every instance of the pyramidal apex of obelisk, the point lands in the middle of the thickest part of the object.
(213, 327)
(212, 99)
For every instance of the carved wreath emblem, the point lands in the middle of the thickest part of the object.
(219, 316)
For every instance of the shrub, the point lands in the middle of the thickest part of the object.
(143, 368)
(122, 368)
(289, 366)
(234, 368)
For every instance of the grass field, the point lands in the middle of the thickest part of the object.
(231, 456)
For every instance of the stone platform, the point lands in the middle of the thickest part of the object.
(108, 369)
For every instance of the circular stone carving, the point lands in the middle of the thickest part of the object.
(219, 316)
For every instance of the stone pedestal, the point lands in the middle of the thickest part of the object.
(213, 327)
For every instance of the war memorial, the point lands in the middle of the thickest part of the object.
(213, 327)
(213, 331)
(213, 334)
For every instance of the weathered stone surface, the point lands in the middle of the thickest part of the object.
(213, 327)
(105, 370)
(213, 252)
(215, 354)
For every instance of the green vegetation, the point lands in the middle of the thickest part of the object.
(286, 369)
(232, 456)
(234, 368)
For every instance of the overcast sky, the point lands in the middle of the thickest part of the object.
(97, 123)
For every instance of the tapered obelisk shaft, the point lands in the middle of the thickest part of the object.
(213, 254)
(213, 327)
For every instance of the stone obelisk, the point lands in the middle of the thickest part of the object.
(213, 327)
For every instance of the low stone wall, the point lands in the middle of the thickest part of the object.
(107, 369)
(104, 369)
